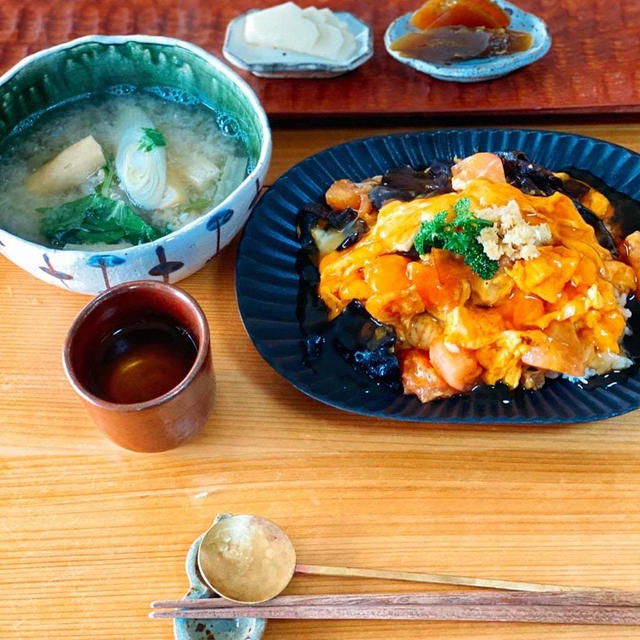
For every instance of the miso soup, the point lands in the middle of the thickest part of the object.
(115, 170)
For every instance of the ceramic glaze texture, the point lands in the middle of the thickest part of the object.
(177, 70)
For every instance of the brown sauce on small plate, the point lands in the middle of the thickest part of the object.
(458, 43)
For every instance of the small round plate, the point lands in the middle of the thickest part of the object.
(266, 62)
(206, 629)
(477, 69)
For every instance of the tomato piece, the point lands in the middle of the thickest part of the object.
(523, 310)
(442, 282)
(342, 194)
(420, 378)
(459, 369)
(432, 292)
(562, 352)
(451, 268)
(529, 310)
(479, 165)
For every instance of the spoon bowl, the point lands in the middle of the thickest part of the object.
(246, 559)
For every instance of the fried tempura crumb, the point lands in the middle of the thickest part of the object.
(510, 235)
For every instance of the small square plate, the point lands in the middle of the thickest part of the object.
(218, 628)
(266, 62)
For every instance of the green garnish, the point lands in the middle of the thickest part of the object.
(109, 169)
(151, 138)
(196, 205)
(94, 219)
(460, 236)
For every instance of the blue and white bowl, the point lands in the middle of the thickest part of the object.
(94, 63)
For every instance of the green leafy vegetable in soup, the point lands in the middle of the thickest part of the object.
(95, 219)
(104, 188)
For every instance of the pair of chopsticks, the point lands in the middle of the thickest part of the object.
(607, 607)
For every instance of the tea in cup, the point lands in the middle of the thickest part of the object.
(139, 357)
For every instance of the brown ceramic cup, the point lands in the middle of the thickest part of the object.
(162, 422)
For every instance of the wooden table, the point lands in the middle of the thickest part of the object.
(91, 533)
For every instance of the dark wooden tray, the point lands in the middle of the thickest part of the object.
(593, 65)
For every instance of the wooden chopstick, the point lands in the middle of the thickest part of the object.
(486, 613)
(593, 607)
(596, 597)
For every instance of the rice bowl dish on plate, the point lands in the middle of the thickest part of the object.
(297, 336)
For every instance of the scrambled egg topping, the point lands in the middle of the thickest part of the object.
(555, 305)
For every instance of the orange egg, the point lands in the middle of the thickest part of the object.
(387, 273)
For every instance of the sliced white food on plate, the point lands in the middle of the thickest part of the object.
(310, 31)
(281, 27)
(334, 42)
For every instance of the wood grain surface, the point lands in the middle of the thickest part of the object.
(593, 64)
(91, 533)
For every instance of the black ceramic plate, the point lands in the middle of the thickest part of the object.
(267, 282)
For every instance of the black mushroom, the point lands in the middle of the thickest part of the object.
(405, 183)
(325, 229)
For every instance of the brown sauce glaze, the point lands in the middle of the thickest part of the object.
(458, 43)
